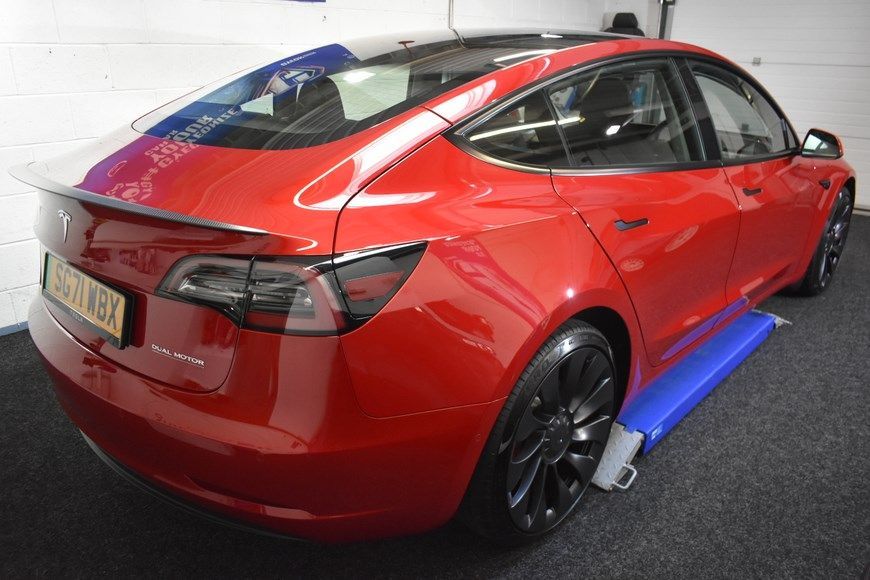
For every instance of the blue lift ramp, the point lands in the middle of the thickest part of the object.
(653, 413)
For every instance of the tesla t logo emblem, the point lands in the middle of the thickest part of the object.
(65, 218)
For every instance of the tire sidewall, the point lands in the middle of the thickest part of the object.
(811, 283)
(569, 338)
(541, 369)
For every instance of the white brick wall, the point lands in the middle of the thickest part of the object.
(72, 70)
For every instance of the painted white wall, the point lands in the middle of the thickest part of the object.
(815, 60)
(72, 70)
(570, 14)
(647, 12)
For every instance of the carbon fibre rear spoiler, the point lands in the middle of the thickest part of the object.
(27, 175)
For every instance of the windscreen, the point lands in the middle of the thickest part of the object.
(331, 92)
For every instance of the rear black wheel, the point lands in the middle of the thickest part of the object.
(830, 249)
(548, 440)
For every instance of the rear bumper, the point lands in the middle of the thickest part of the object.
(281, 446)
(168, 497)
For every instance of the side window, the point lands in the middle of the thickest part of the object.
(525, 133)
(627, 114)
(746, 124)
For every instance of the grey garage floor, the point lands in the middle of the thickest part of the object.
(767, 477)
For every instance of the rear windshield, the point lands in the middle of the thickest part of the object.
(337, 90)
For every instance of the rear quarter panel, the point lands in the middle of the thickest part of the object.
(507, 263)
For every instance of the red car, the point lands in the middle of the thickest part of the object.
(360, 290)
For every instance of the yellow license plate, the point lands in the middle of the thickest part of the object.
(89, 301)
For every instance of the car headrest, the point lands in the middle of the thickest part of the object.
(606, 101)
(320, 93)
(625, 20)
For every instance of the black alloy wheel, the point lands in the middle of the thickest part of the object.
(548, 440)
(834, 238)
(559, 441)
(829, 252)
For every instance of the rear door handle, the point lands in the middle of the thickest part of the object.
(747, 191)
(826, 183)
(622, 226)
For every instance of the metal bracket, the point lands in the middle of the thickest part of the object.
(615, 464)
(777, 320)
(630, 469)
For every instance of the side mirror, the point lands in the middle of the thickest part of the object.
(822, 144)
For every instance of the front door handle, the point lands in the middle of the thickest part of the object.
(622, 226)
(750, 192)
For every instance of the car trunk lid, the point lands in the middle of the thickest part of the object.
(136, 204)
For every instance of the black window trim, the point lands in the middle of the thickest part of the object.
(569, 155)
(681, 61)
(630, 167)
(703, 120)
(689, 80)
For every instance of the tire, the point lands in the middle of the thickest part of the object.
(828, 253)
(547, 441)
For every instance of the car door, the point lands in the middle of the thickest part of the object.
(773, 184)
(659, 205)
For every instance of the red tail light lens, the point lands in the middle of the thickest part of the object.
(219, 282)
(371, 287)
(368, 279)
(299, 295)
(293, 298)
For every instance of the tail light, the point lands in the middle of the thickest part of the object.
(298, 295)
(368, 279)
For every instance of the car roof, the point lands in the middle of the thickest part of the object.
(520, 38)
(551, 39)
(532, 37)
(477, 94)
(538, 38)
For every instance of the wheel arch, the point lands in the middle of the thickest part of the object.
(851, 185)
(615, 330)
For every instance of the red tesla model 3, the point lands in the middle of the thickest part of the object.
(359, 290)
